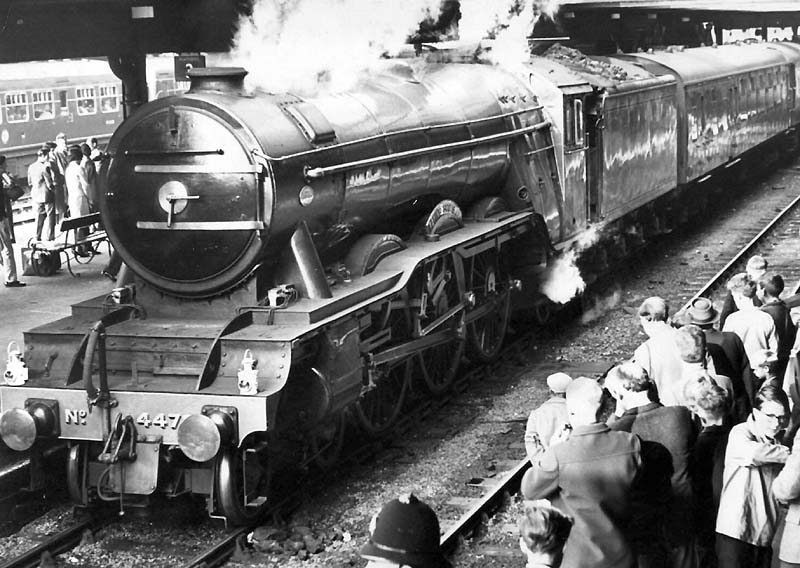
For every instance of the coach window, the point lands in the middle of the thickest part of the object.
(16, 107)
(42, 105)
(85, 100)
(63, 104)
(108, 98)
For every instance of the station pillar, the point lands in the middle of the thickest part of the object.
(131, 68)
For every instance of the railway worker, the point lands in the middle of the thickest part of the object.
(589, 474)
(6, 222)
(404, 533)
(748, 510)
(549, 418)
(40, 180)
(543, 531)
(786, 488)
(704, 315)
(755, 328)
(77, 193)
(756, 268)
(769, 288)
(709, 403)
(668, 436)
(659, 355)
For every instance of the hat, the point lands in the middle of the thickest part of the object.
(406, 531)
(558, 382)
(61, 135)
(702, 311)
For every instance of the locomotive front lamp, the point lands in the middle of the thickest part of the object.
(19, 427)
(201, 435)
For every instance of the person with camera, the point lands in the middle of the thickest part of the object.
(9, 191)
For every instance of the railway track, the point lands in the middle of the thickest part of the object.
(56, 544)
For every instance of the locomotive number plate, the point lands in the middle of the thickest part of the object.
(161, 420)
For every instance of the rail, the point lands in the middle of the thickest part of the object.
(56, 544)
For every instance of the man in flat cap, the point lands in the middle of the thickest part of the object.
(549, 418)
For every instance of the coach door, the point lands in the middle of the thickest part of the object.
(594, 157)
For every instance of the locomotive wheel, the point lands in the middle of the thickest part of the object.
(437, 365)
(77, 468)
(378, 407)
(327, 441)
(486, 334)
(241, 481)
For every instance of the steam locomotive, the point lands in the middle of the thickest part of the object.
(296, 262)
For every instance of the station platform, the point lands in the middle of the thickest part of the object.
(47, 298)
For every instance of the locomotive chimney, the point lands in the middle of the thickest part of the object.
(217, 79)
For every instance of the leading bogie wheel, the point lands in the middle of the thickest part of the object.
(241, 482)
(77, 471)
(326, 441)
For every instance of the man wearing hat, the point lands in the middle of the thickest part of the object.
(703, 314)
(549, 418)
(405, 533)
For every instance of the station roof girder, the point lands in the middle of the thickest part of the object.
(33, 30)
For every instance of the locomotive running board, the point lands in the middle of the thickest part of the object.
(389, 278)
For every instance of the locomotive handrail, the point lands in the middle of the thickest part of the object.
(384, 135)
(101, 396)
(327, 170)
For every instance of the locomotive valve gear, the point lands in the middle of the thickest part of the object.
(16, 372)
(248, 375)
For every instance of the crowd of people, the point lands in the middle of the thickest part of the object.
(680, 457)
(62, 182)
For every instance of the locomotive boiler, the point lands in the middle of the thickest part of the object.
(298, 263)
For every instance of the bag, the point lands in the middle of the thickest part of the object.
(15, 192)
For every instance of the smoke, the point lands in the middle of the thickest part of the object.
(562, 280)
(490, 20)
(309, 46)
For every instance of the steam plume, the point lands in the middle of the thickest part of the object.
(306, 46)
